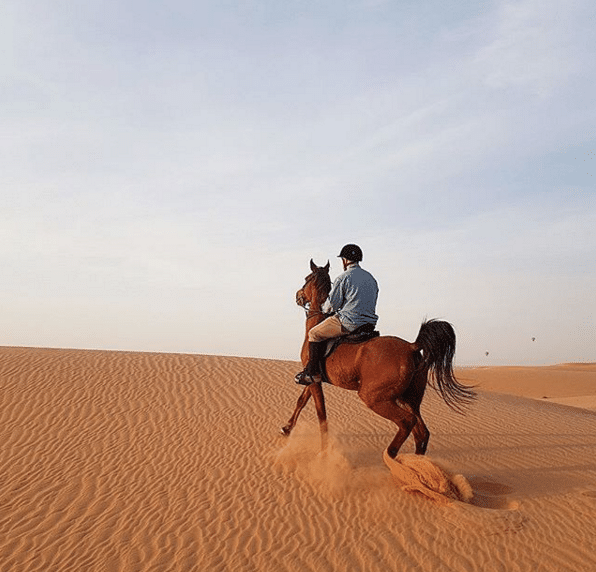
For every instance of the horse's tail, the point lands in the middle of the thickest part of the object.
(436, 339)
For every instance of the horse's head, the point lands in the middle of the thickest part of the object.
(316, 286)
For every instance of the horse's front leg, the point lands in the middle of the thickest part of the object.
(302, 401)
(319, 397)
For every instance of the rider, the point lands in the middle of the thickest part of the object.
(351, 303)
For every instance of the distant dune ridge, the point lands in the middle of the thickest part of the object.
(123, 461)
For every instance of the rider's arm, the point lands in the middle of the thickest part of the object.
(336, 298)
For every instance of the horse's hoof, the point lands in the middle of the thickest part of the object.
(285, 431)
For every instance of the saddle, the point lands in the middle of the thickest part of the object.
(359, 335)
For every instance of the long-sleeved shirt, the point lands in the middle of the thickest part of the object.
(353, 298)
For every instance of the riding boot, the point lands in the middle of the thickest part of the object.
(312, 371)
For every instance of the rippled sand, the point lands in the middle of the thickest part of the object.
(116, 461)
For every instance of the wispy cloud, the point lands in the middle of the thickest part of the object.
(168, 170)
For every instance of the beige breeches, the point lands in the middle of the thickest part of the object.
(329, 328)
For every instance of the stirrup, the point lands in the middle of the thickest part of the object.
(304, 378)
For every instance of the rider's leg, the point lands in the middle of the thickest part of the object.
(312, 371)
(317, 341)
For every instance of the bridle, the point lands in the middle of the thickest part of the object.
(306, 304)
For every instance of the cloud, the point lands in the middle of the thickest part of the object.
(168, 170)
(535, 46)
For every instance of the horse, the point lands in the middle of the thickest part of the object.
(389, 374)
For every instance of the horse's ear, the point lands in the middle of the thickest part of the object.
(313, 266)
(327, 266)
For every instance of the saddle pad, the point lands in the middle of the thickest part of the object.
(357, 337)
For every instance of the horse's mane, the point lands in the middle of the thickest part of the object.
(322, 281)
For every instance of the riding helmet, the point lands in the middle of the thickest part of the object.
(351, 252)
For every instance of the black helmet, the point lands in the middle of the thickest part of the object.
(351, 252)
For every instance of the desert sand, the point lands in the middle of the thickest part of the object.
(117, 461)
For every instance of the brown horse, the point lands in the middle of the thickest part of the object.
(389, 374)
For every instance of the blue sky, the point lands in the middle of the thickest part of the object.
(167, 170)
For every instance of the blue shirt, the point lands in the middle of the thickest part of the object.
(353, 298)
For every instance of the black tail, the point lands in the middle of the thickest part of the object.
(436, 339)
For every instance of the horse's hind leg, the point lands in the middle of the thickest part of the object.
(302, 401)
(405, 421)
(413, 397)
(401, 414)
(421, 435)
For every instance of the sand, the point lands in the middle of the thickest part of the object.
(116, 461)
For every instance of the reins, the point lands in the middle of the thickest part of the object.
(312, 313)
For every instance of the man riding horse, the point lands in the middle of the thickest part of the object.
(351, 304)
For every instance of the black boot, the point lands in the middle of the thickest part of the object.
(312, 371)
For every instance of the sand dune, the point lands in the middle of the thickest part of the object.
(116, 461)
(556, 382)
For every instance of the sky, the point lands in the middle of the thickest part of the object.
(168, 170)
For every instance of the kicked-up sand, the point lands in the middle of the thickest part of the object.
(116, 461)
